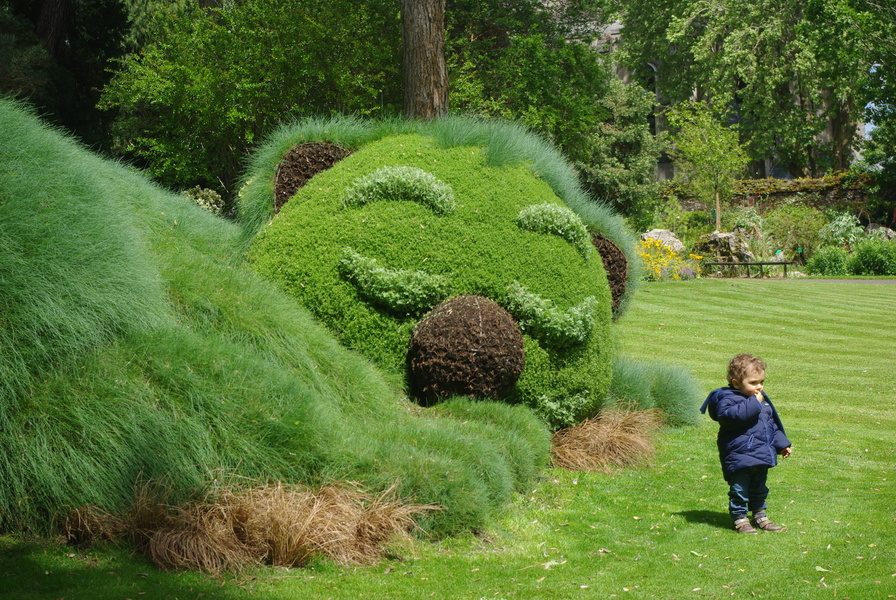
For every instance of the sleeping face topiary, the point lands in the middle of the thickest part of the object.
(400, 226)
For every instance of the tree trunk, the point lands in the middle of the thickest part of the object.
(423, 58)
(718, 212)
(52, 27)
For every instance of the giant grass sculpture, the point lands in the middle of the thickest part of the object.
(134, 347)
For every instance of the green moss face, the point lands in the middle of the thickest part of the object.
(370, 269)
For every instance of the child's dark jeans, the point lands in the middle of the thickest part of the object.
(747, 490)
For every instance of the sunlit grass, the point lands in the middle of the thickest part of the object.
(658, 531)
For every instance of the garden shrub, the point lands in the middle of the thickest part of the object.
(206, 198)
(794, 228)
(479, 248)
(873, 256)
(829, 260)
(661, 262)
(645, 385)
(842, 229)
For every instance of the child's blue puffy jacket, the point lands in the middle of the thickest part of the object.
(750, 433)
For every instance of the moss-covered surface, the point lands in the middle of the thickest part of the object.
(477, 248)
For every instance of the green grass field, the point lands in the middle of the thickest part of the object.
(660, 531)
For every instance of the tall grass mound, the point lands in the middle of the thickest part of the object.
(421, 213)
(649, 385)
(134, 347)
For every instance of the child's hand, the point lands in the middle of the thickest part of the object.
(786, 452)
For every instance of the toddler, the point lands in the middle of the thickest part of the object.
(750, 438)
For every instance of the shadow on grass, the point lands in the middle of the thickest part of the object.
(41, 569)
(707, 517)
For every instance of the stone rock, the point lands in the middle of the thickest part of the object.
(724, 247)
(666, 237)
(884, 232)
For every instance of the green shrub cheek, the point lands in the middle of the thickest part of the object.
(566, 385)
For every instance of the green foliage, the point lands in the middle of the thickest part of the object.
(842, 229)
(540, 79)
(642, 385)
(401, 183)
(536, 66)
(829, 260)
(208, 199)
(212, 81)
(478, 249)
(399, 290)
(52, 310)
(706, 152)
(135, 346)
(620, 158)
(528, 437)
(874, 21)
(795, 229)
(787, 67)
(540, 318)
(557, 220)
(873, 256)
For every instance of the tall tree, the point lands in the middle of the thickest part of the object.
(425, 75)
(707, 153)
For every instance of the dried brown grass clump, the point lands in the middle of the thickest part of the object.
(86, 525)
(616, 437)
(275, 524)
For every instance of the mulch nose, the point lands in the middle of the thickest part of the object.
(465, 346)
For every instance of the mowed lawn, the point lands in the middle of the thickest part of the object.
(659, 531)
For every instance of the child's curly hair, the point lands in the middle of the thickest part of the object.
(742, 364)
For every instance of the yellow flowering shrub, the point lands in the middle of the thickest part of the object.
(661, 262)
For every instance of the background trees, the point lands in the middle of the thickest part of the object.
(212, 81)
(198, 82)
(788, 70)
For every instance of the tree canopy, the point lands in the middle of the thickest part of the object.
(790, 71)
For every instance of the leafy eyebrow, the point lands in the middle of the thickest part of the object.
(401, 291)
(557, 220)
(401, 183)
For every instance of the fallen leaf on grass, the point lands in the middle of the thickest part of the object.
(822, 569)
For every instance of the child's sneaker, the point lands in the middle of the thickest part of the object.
(742, 525)
(765, 524)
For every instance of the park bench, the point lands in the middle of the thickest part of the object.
(729, 266)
